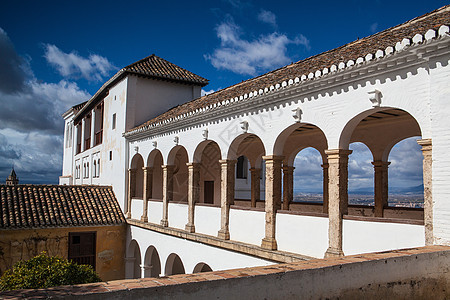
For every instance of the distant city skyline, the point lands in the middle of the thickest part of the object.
(57, 54)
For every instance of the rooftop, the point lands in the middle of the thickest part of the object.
(41, 206)
(325, 60)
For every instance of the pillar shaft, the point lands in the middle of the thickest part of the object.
(146, 191)
(255, 185)
(337, 198)
(288, 186)
(226, 196)
(131, 190)
(273, 199)
(427, 189)
(193, 193)
(380, 186)
(325, 188)
(167, 192)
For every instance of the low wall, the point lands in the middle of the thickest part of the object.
(421, 273)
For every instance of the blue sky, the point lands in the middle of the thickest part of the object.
(54, 54)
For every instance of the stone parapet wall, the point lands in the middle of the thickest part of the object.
(419, 273)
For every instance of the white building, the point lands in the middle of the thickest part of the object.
(180, 164)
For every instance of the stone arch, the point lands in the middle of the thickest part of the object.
(133, 260)
(386, 115)
(174, 265)
(247, 144)
(137, 178)
(303, 129)
(178, 157)
(202, 267)
(380, 129)
(152, 263)
(155, 161)
(208, 155)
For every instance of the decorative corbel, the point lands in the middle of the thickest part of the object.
(375, 97)
(176, 140)
(155, 144)
(136, 149)
(205, 133)
(297, 114)
(244, 126)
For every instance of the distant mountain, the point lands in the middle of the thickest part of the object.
(369, 190)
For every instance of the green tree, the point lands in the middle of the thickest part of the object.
(45, 271)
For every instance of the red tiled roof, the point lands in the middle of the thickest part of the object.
(351, 51)
(32, 206)
(154, 66)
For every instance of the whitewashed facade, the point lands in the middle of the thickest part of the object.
(187, 163)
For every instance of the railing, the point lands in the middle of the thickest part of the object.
(87, 143)
(98, 137)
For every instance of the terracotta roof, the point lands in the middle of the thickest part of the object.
(37, 206)
(351, 51)
(151, 67)
(156, 67)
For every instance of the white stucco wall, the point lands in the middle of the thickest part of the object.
(207, 220)
(178, 215)
(247, 226)
(190, 253)
(302, 234)
(364, 237)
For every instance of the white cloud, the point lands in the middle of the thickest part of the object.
(251, 57)
(31, 126)
(204, 92)
(72, 65)
(268, 17)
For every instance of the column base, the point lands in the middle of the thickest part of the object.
(269, 243)
(128, 215)
(223, 234)
(332, 252)
(190, 228)
(164, 223)
(144, 219)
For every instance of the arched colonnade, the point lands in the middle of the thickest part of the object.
(207, 174)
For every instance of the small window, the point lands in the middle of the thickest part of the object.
(98, 167)
(87, 170)
(114, 121)
(110, 155)
(94, 169)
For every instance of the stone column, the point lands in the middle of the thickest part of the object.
(337, 198)
(92, 128)
(288, 186)
(131, 190)
(146, 191)
(167, 192)
(325, 188)
(193, 193)
(226, 196)
(427, 189)
(381, 186)
(255, 188)
(273, 199)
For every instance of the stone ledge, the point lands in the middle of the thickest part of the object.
(159, 287)
(244, 248)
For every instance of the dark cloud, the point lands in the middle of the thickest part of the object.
(12, 74)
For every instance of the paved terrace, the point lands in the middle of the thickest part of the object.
(417, 273)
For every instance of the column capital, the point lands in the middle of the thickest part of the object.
(227, 161)
(168, 167)
(147, 169)
(288, 169)
(131, 171)
(379, 163)
(335, 153)
(426, 144)
(255, 169)
(273, 157)
(193, 164)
